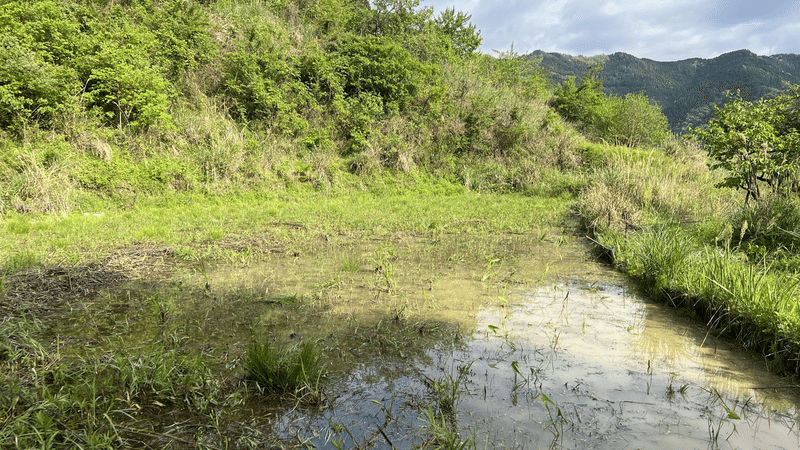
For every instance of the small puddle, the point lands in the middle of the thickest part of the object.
(534, 356)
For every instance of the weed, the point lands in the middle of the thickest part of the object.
(442, 434)
(281, 370)
(557, 422)
(384, 259)
(446, 390)
(489, 274)
(350, 264)
(715, 429)
(201, 269)
(161, 308)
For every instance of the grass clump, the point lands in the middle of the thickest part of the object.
(282, 370)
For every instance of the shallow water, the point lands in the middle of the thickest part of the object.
(613, 370)
(624, 374)
(556, 351)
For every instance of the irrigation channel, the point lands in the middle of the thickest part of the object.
(423, 340)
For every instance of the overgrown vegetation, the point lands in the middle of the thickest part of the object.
(692, 245)
(629, 120)
(122, 99)
(314, 114)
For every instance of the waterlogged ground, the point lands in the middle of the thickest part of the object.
(499, 341)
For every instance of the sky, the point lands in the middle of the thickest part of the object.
(662, 30)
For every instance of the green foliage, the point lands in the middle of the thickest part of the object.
(35, 41)
(383, 68)
(767, 231)
(524, 76)
(20, 261)
(264, 82)
(237, 94)
(758, 143)
(126, 89)
(117, 61)
(281, 370)
(630, 121)
(464, 38)
(576, 103)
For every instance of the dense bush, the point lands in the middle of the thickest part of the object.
(630, 121)
(37, 40)
(120, 62)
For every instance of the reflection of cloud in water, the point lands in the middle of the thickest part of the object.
(680, 345)
(611, 357)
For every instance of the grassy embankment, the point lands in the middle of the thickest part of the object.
(692, 245)
(257, 122)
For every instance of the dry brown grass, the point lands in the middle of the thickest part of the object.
(638, 187)
(39, 189)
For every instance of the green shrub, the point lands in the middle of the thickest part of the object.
(36, 40)
(768, 226)
(382, 67)
(127, 90)
(263, 81)
(630, 121)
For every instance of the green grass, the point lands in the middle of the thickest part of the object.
(200, 226)
(49, 400)
(283, 370)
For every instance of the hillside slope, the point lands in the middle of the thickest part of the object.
(685, 89)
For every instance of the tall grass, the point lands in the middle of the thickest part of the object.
(753, 304)
(633, 188)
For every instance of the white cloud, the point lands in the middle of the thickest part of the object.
(656, 29)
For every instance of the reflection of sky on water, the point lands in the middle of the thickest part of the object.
(636, 372)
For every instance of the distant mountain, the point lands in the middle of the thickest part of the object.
(686, 89)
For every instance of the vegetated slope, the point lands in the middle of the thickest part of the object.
(119, 99)
(687, 89)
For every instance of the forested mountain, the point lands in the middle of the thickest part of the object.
(686, 89)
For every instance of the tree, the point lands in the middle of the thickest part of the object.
(758, 143)
(631, 120)
(464, 37)
(575, 103)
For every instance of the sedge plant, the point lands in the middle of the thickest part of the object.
(281, 370)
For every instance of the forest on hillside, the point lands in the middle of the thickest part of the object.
(687, 90)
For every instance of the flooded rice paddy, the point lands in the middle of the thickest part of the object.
(532, 345)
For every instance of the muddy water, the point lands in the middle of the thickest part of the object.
(622, 373)
(556, 351)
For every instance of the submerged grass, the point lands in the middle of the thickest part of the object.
(111, 399)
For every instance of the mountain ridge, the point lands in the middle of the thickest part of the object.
(687, 89)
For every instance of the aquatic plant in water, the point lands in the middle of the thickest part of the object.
(278, 370)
